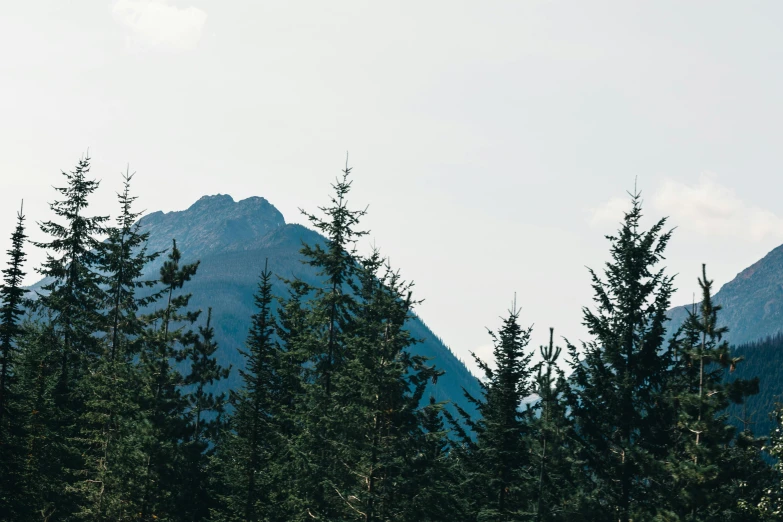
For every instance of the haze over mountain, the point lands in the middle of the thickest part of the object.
(232, 239)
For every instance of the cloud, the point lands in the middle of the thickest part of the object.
(158, 24)
(610, 212)
(706, 207)
(713, 209)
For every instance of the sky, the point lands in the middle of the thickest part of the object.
(493, 141)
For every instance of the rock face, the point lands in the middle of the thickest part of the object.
(752, 302)
(232, 240)
(213, 224)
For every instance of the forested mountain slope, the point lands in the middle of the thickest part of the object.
(232, 240)
(753, 311)
(752, 301)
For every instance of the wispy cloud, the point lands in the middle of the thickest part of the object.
(706, 207)
(710, 208)
(159, 24)
(610, 212)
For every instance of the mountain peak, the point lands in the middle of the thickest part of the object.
(213, 201)
(213, 223)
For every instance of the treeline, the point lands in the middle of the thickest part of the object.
(107, 411)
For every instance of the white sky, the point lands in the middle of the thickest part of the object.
(494, 141)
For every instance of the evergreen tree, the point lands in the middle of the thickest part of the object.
(553, 446)
(499, 464)
(109, 427)
(41, 491)
(324, 337)
(255, 439)
(204, 416)
(619, 382)
(380, 392)
(437, 491)
(701, 395)
(163, 404)
(73, 295)
(11, 297)
(72, 300)
(11, 416)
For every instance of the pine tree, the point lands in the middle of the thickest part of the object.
(248, 457)
(11, 297)
(110, 424)
(164, 407)
(701, 399)
(11, 415)
(553, 446)
(204, 416)
(437, 491)
(380, 392)
(41, 487)
(73, 296)
(323, 338)
(499, 463)
(72, 301)
(619, 382)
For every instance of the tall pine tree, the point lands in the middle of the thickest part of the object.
(619, 381)
(12, 449)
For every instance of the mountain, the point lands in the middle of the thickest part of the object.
(753, 311)
(752, 301)
(232, 240)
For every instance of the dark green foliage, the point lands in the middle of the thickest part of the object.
(109, 435)
(619, 380)
(11, 297)
(113, 408)
(162, 401)
(761, 360)
(380, 392)
(498, 463)
(204, 415)
(73, 297)
(701, 396)
(256, 437)
(554, 450)
(11, 413)
(43, 487)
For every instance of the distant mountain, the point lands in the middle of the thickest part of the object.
(753, 311)
(232, 240)
(752, 302)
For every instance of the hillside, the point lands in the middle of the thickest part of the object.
(753, 311)
(232, 240)
(752, 301)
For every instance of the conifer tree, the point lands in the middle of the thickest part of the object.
(164, 407)
(251, 456)
(701, 394)
(380, 392)
(619, 382)
(553, 446)
(109, 427)
(499, 464)
(72, 300)
(11, 297)
(204, 417)
(73, 296)
(327, 326)
(40, 491)
(11, 415)
(437, 491)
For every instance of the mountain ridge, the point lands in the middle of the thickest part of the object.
(233, 240)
